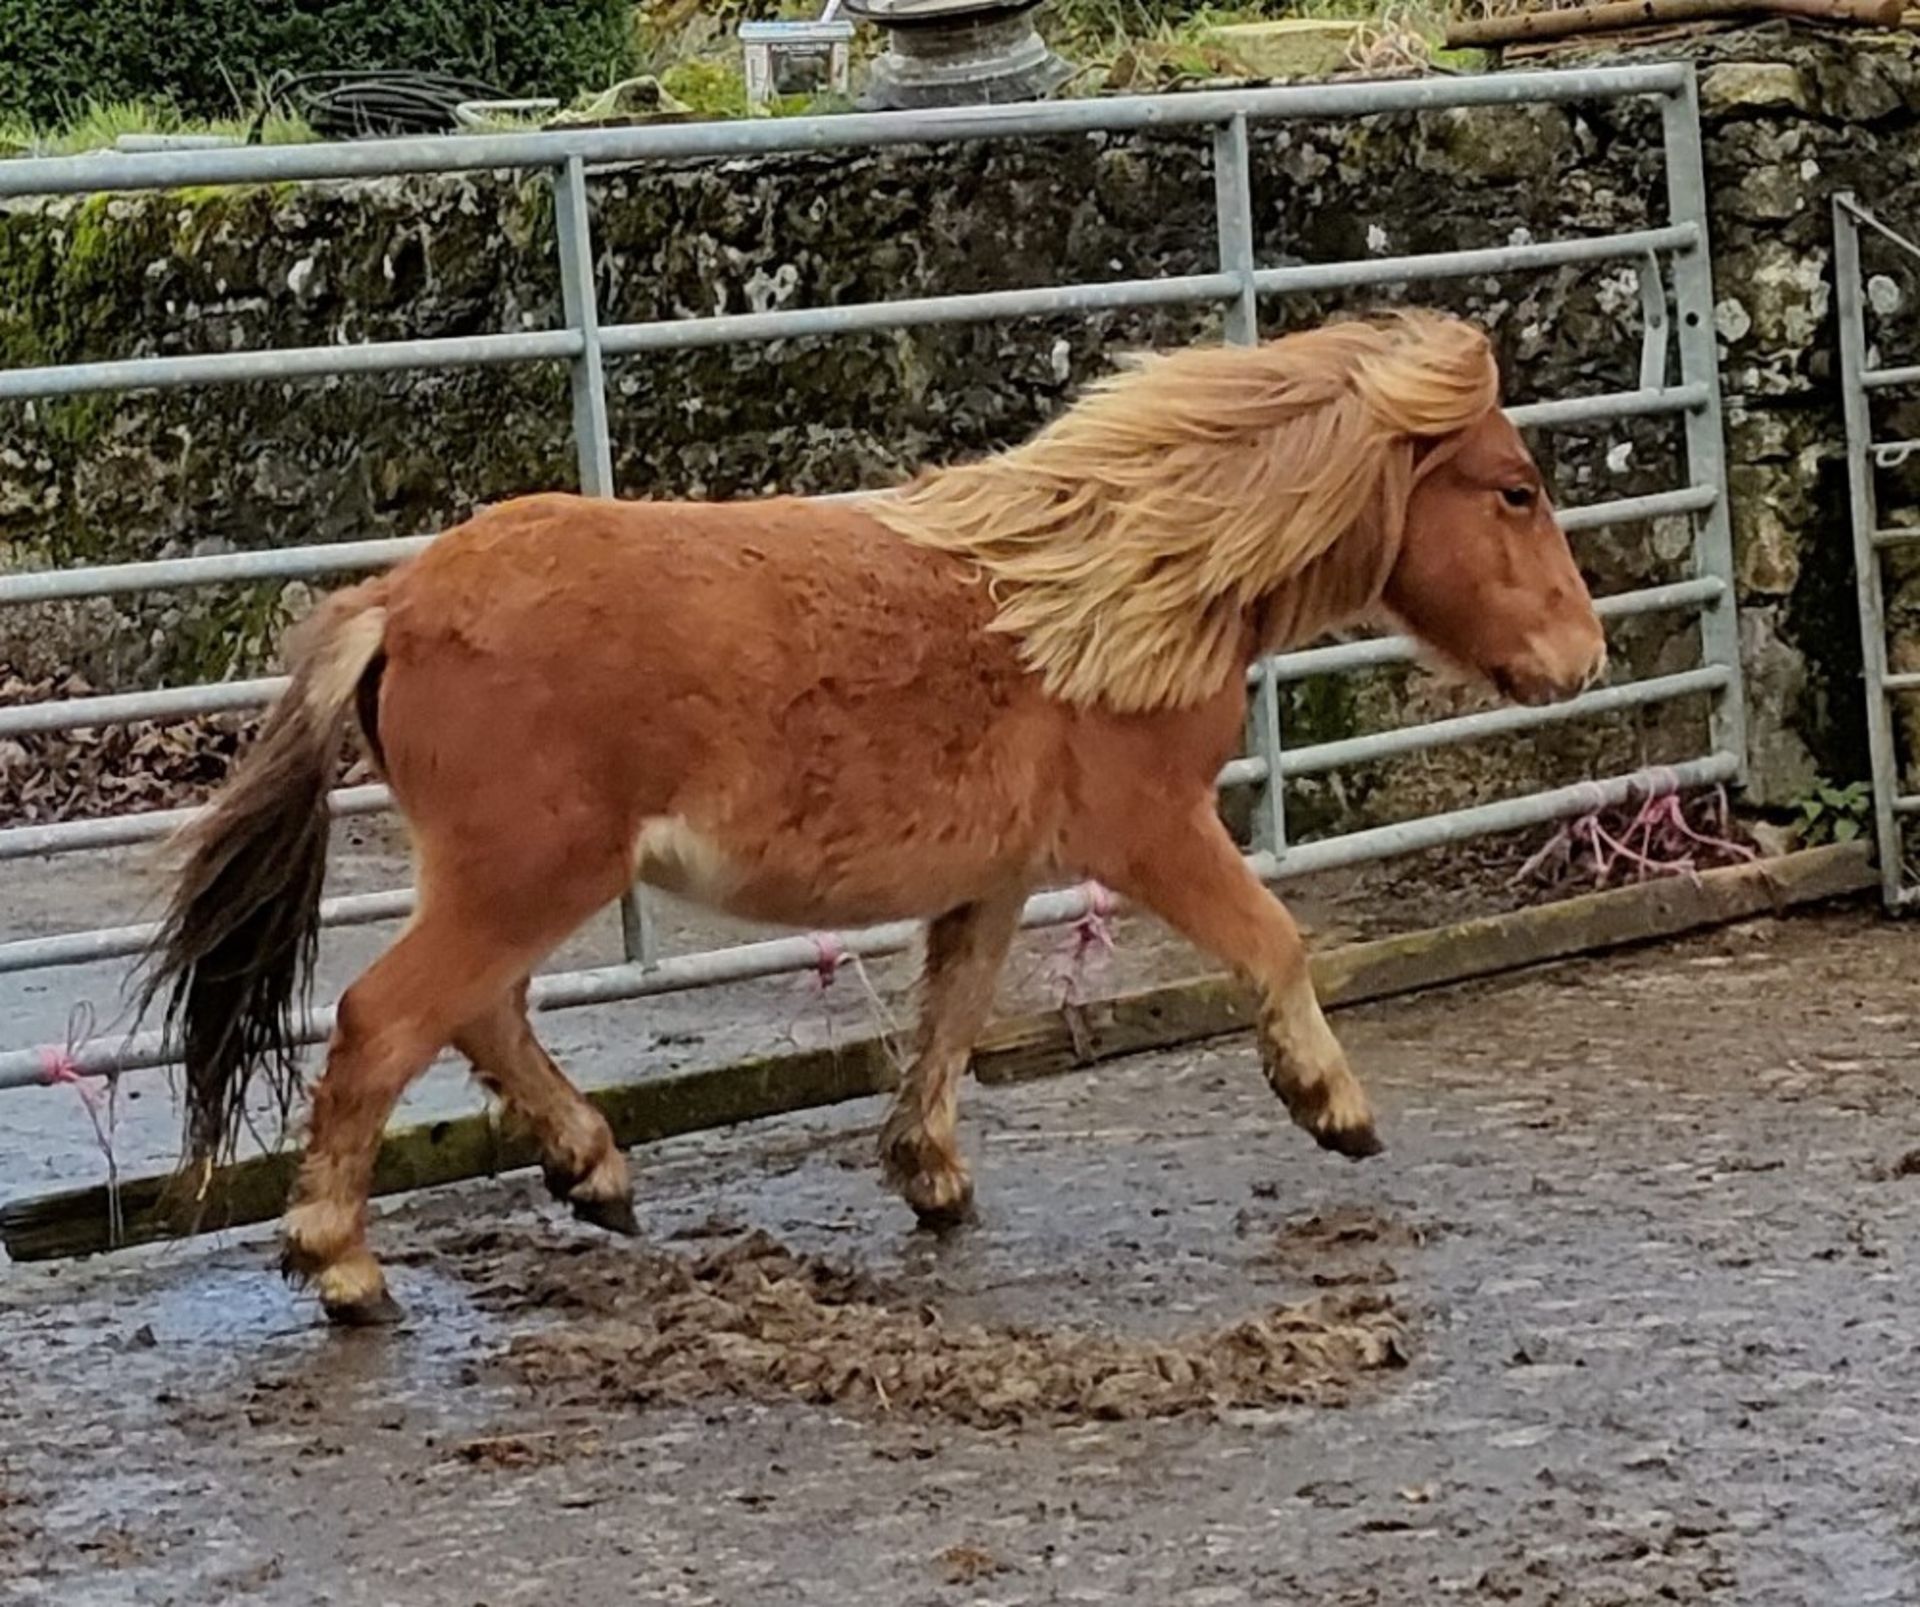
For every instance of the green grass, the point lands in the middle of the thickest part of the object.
(1137, 44)
(1098, 23)
(99, 127)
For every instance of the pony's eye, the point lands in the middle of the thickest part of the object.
(1517, 496)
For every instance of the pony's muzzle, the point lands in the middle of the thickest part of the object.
(1543, 677)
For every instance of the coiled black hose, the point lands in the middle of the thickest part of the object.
(357, 105)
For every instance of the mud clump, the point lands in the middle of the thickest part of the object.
(969, 1565)
(1338, 1247)
(755, 1321)
(13, 1526)
(525, 1450)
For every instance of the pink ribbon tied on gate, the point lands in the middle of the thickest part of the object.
(1089, 942)
(1666, 817)
(60, 1063)
(60, 1067)
(1658, 841)
(830, 954)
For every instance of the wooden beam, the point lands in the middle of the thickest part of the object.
(1567, 22)
(76, 1222)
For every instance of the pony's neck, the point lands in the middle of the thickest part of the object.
(1339, 588)
(1146, 543)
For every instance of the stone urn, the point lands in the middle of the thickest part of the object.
(958, 53)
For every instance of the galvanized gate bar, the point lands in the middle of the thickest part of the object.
(1505, 721)
(1699, 344)
(1544, 254)
(123, 831)
(124, 942)
(592, 437)
(1609, 406)
(793, 323)
(214, 569)
(470, 153)
(1233, 217)
(1509, 814)
(1653, 314)
(287, 362)
(585, 344)
(1376, 651)
(1883, 758)
(129, 708)
(978, 307)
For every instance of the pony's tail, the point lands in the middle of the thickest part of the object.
(233, 958)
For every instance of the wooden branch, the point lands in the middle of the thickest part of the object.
(77, 1222)
(1625, 39)
(1574, 21)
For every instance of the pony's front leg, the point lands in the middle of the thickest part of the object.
(919, 1145)
(1193, 877)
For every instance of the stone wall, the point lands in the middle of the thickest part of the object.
(1791, 116)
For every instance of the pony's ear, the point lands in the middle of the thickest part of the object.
(1430, 451)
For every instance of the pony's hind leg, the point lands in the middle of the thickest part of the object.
(1193, 877)
(919, 1148)
(387, 1029)
(583, 1165)
(465, 950)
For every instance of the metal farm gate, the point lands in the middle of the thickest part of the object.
(1861, 378)
(1677, 313)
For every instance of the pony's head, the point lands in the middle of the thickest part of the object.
(1206, 504)
(1484, 575)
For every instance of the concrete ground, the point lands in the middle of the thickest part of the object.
(1645, 1224)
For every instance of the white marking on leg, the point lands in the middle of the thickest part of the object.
(1307, 1065)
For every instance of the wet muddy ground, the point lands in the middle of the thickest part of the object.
(1621, 1317)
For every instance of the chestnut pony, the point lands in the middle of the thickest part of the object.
(915, 705)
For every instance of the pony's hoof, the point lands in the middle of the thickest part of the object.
(941, 1202)
(1356, 1143)
(613, 1216)
(382, 1311)
(298, 1266)
(944, 1218)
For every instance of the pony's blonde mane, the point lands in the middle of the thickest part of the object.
(1203, 500)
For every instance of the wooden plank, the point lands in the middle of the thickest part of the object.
(1565, 22)
(76, 1222)
(1589, 924)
